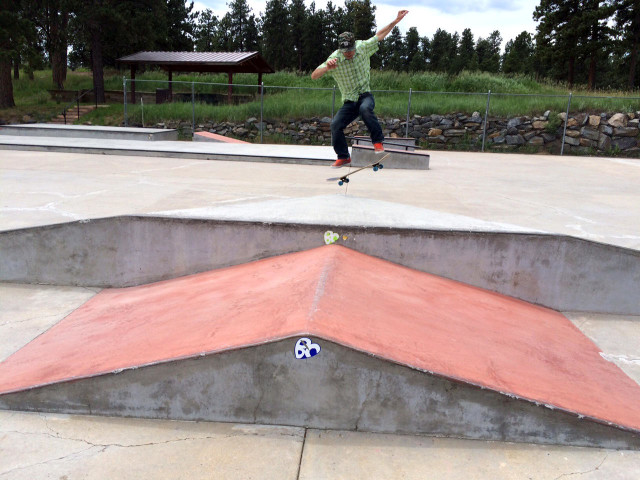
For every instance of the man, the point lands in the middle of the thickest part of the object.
(350, 68)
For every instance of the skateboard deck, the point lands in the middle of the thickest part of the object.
(345, 178)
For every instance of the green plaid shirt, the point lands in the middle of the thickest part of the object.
(352, 76)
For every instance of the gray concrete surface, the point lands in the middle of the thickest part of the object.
(592, 198)
(42, 445)
(556, 271)
(265, 384)
(95, 132)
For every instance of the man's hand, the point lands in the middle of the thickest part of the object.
(332, 64)
(383, 32)
(401, 15)
(320, 71)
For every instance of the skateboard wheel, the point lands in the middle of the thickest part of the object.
(346, 180)
(340, 183)
(375, 169)
(380, 166)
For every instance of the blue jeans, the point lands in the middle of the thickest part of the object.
(348, 113)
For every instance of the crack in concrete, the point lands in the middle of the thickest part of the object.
(370, 395)
(585, 472)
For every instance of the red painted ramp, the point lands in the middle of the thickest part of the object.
(413, 318)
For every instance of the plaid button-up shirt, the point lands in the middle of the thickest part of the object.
(352, 76)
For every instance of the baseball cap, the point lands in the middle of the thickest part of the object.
(346, 42)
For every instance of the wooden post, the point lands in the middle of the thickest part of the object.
(133, 84)
(230, 89)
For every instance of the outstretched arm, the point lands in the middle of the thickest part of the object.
(383, 32)
(320, 71)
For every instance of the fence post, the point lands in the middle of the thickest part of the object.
(486, 119)
(333, 102)
(124, 91)
(566, 120)
(193, 108)
(142, 110)
(261, 108)
(408, 110)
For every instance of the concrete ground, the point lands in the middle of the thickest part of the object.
(593, 198)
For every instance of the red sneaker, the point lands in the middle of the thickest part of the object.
(341, 162)
(378, 148)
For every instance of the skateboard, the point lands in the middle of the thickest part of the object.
(377, 165)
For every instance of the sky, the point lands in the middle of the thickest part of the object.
(509, 17)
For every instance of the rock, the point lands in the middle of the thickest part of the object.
(514, 122)
(548, 137)
(626, 132)
(604, 143)
(515, 140)
(325, 120)
(585, 142)
(499, 139)
(572, 122)
(546, 115)
(594, 120)
(252, 120)
(590, 134)
(618, 120)
(624, 143)
(539, 125)
(572, 141)
(562, 116)
(606, 129)
(434, 132)
(573, 133)
(454, 133)
(536, 141)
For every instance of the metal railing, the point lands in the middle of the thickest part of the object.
(410, 95)
(77, 102)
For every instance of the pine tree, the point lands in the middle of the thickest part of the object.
(518, 55)
(627, 21)
(276, 34)
(205, 31)
(467, 58)
(415, 59)
(443, 51)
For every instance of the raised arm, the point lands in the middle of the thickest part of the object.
(383, 32)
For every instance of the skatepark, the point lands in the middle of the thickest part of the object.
(476, 318)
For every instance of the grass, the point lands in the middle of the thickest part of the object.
(288, 95)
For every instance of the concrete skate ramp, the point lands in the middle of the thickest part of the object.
(402, 351)
(96, 132)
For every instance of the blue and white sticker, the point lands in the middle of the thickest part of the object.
(306, 349)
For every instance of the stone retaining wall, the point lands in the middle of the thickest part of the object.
(586, 133)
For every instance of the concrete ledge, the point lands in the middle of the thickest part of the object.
(559, 272)
(214, 137)
(265, 384)
(362, 155)
(88, 131)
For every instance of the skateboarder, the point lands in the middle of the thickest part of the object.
(350, 68)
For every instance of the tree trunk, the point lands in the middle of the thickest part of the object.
(6, 86)
(591, 83)
(572, 61)
(634, 52)
(96, 65)
(58, 50)
(16, 68)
